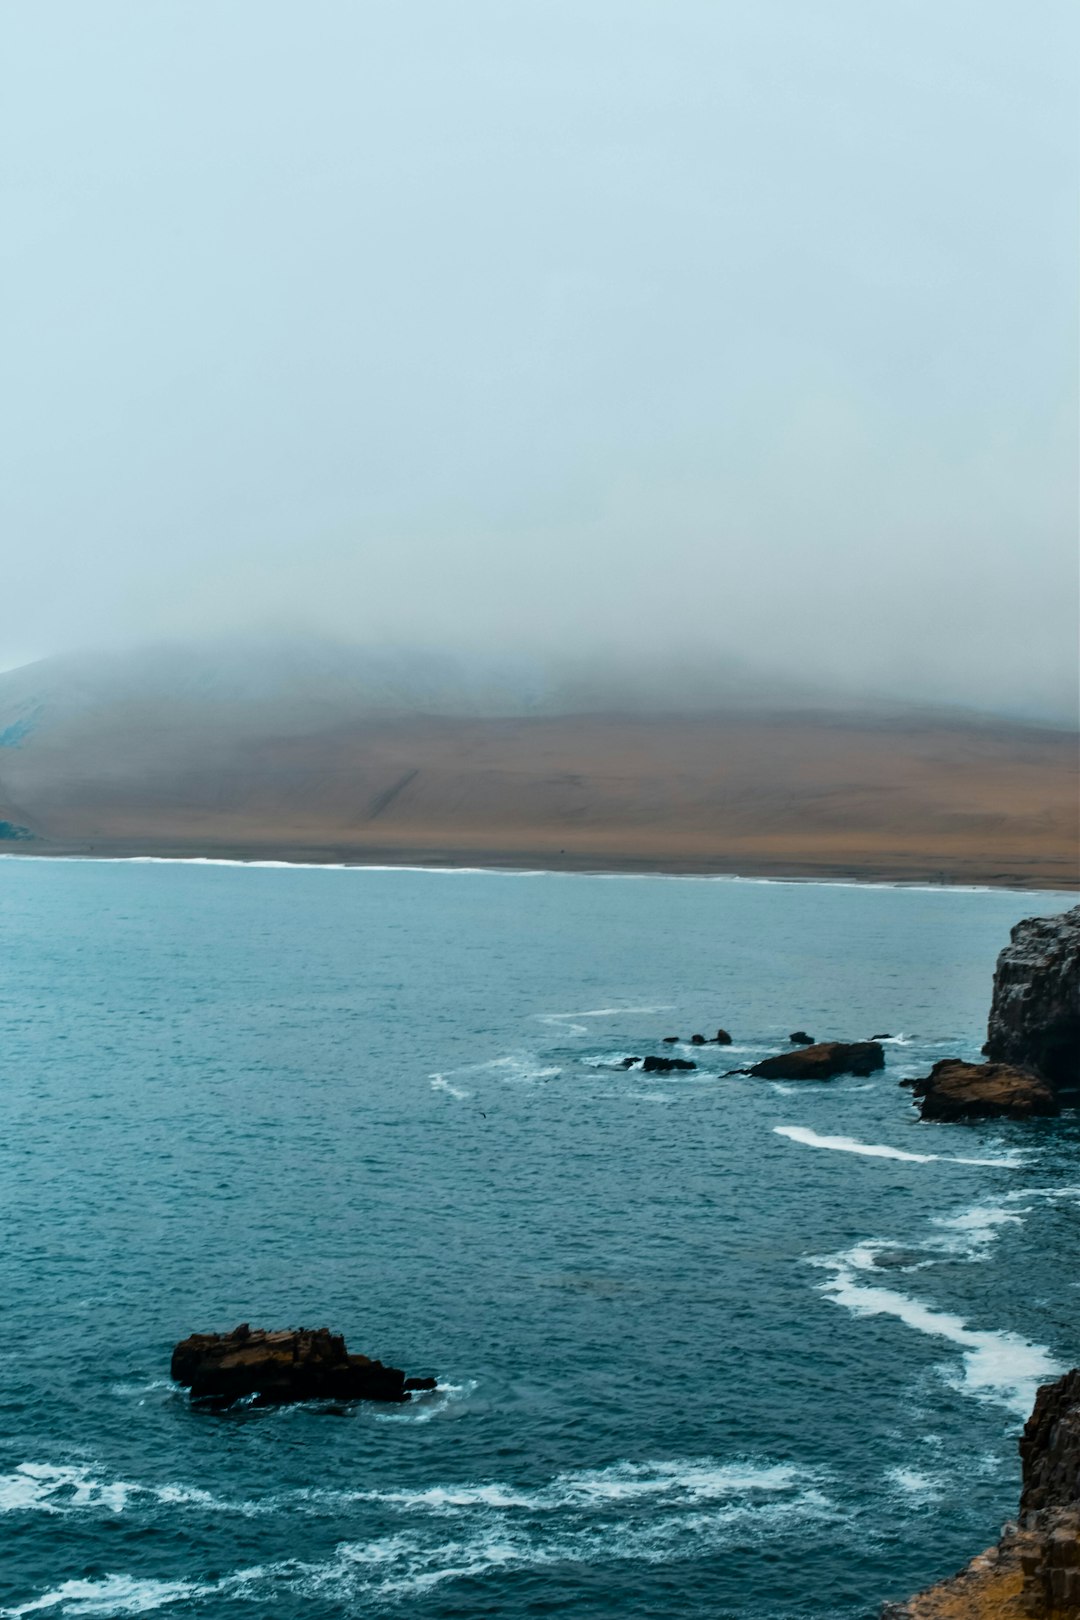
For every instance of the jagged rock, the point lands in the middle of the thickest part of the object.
(801, 1038)
(628, 1062)
(1034, 1571)
(822, 1061)
(722, 1038)
(956, 1090)
(665, 1065)
(278, 1367)
(1035, 1012)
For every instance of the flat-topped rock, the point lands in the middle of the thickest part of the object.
(275, 1368)
(822, 1061)
(955, 1090)
(1035, 1012)
(665, 1065)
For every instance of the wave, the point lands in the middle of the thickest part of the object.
(51, 1488)
(997, 1366)
(610, 1514)
(873, 1150)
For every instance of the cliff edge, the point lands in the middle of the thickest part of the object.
(1035, 1012)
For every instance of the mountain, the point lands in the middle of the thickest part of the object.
(307, 751)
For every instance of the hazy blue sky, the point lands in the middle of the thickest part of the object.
(747, 326)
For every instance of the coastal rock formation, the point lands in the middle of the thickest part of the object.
(956, 1090)
(276, 1368)
(1035, 1012)
(801, 1038)
(665, 1065)
(697, 1040)
(1034, 1571)
(822, 1062)
(722, 1038)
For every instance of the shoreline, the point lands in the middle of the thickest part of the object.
(543, 864)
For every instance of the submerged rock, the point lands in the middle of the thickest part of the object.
(957, 1090)
(801, 1038)
(664, 1065)
(1035, 1011)
(1034, 1571)
(279, 1367)
(822, 1061)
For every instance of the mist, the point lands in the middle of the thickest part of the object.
(704, 336)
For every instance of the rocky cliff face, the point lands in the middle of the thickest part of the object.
(1035, 1013)
(1034, 1571)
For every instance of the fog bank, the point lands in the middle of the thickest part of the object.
(732, 339)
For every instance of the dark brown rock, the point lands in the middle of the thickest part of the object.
(1034, 1571)
(722, 1038)
(277, 1368)
(697, 1040)
(822, 1062)
(1035, 1011)
(956, 1090)
(801, 1038)
(665, 1065)
(671, 1040)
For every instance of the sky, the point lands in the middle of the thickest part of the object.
(740, 330)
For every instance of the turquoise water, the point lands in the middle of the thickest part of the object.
(701, 1354)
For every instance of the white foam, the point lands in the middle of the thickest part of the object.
(922, 1487)
(428, 1404)
(50, 1488)
(654, 1511)
(999, 1367)
(112, 1596)
(873, 1150)
(566, 1022)
(439, 1082)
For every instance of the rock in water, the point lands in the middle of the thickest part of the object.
(663, 1065)
(822, 1061)
(722, 1038)
(1035, 1012)
(956, 1090)
(276, 1368)
(1034, 1571)
(801, 1038)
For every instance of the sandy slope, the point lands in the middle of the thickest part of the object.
(798, 794)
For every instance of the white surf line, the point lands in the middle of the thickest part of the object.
(999, 1367)
(874, 1150)
(565, 1023)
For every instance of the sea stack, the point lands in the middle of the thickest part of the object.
(1033, 1040)
(1035, 1011)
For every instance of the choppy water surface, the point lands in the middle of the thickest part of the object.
(709, 1346)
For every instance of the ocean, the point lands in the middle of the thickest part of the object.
(707, 1346)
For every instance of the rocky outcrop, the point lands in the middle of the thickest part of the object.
(801, 1038)
(665, 1065)
(276, 1368)
(1035, 1012)
(722, 1038)
(821, 1062)
(954, 1090)
(1034, 1571)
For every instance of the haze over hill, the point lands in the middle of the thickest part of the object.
(309, 751)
